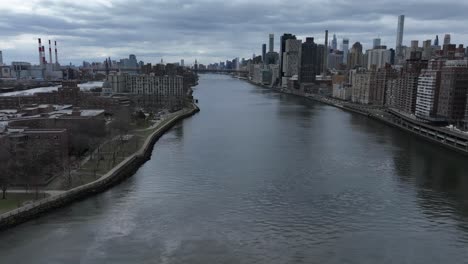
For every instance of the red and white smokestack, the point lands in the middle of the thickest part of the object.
(50, 53)
(43, 56)
(56, 58)
(40, 52)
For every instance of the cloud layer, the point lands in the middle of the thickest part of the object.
(210, 30)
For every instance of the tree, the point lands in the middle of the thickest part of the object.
(39, 161)
(121, 122)
(6, 170)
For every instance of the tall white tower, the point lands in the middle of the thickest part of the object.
(272, 39)
(399, 40)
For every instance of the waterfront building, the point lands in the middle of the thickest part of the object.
(148, 84)
(309, 61)
(341, 89)
(381, 84)
(403, 90)
(320, 52)
(361, 81)
(291, 59)
(453, 91)
(428, 94)
(282, 53)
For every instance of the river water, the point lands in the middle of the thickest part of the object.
(262, 177)
(83, 87)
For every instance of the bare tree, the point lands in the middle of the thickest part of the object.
(6, 171)
(39, 162)
(121, 122)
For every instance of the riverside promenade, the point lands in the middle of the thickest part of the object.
(121, 171)
(451, 139)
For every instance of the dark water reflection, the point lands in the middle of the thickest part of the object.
(261, 177)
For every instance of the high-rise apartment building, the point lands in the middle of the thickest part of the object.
(383, 77)
(453, 91)
(147, 84)
(283, 40)
(428, 94)
(403, 90)
(361, 81)
(308, 61)
(291, 59)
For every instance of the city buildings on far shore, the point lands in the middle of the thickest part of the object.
(428, 82)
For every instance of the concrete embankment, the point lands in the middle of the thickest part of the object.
(120, 172)
(447, 139)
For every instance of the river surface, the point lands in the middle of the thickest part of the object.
(83, 87)
(262, 177)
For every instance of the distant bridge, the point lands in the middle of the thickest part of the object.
(221, 71)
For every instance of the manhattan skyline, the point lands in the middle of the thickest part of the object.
(210, 31)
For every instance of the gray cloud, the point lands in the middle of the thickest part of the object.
(212, 30)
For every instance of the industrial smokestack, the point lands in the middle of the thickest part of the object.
(56, 58)
(50, 53)
(44, 61)
(40, 52)
(325, 55)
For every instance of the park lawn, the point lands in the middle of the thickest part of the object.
(15, 200)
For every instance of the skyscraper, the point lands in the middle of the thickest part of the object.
(334, 43)
(355, 56)
(263, 53)
(375, 43)
(325, 54)
(283, 39)
(345, 50)
(436, 41)
(308, 61)
(447, 39)
(132, 61)
(399, 40)
(182, 62)
(272, 41)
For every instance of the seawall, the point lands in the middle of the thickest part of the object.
(123, 170)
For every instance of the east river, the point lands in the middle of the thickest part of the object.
(263, 177)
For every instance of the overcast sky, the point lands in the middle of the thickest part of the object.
(211, 30)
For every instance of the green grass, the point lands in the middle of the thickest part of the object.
(15, 200)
